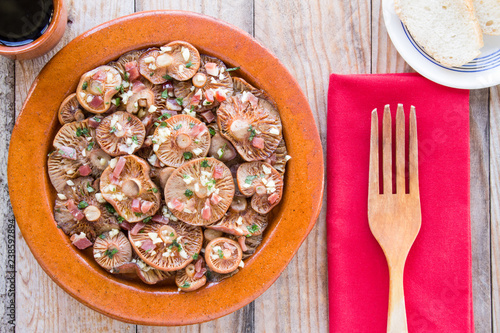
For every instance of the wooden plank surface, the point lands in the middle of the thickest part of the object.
(312, 39)
(41, 305)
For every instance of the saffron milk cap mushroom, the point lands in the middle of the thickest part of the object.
(97, 87)
(120, 133)
(223, 255)
(112, 249)
(70, 110)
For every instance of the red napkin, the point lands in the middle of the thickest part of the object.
(437, 280)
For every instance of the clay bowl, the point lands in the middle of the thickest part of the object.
(44, 43)
(33, 197)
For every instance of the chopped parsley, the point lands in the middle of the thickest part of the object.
(177, 127)
(186, 285)
(90, 146)
(120, 219)
(191, 125)
(116, 101)
(195, 256)
(163, 124)
(85, 85)
(204, 164)
(90, 189)
(179, 101)
(147, 219)
(177, 245)
(167, 77)
(164, 94)
(83, 204)
(120, 88)
(110, 208)
(99, 89)
(111, 253)
(232, 69)
(249, 179)
(188, 193)
(188, 155)
(154, 190)
(221, 150)
(152, 73)
(212, 131)
(102, 236)
(253, 228)
(82, 131)
(221, 254)
(138, 214)
(113, 129)
(252, 133)
(127, 76)
(165, 115)
(135, 140)
(97, 119)
(129, 118)
(171, 234)
(189, 64)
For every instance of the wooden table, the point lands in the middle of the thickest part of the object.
(312, 39)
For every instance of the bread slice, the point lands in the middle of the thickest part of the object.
(447, 29)
(488, 15)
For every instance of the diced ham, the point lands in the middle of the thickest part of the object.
(215, 199)
(206, 211)
(172, 105)
(80, 241)
(199, 274)
(146, 206)
(84, 170)
(73, 209)
(273, 197)
(195, 100)
(177, 204)
(137, 227)
(96, 102)
(113, 180)
(132, 70)
(220, 95)
(218, 172)
(136, 205)
(99, 76)
(212, 69)
(258, 143)
(272, 159)
(94, 123)
(119, 167)
(126, 226)
(243, 245)
(209, 95)
(198, 129)
(138, 86)
(160, 219)
(67, 152)
(147, 245)
(208, 116)
(199, 264)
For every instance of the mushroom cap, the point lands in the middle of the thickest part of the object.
(148, 69)
(82, 193)
(223, 255)
(179, 139)
(280, 158)
(146, 273)
(75, 146)
(240, 86)
(215, 80)
(120, 133)
(112, 249)
(172, 255)
(192, 190)
(246, 123)
(221, 149)
(251, 243)
(186, 283)
(244, 223)
(70, 110)
(101, 82)
(261, 181)
(131, 56)
(144, 99)
(132, 183)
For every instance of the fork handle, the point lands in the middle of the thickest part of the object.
(396, 322)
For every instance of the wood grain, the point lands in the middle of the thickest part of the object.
(495, 206)
(240, 14)
(41, 305)
(480, 208)
(7, 245)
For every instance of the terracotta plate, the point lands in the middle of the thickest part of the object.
(33, 196)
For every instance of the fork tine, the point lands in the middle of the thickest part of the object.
(400, 150)
(373, 184)
(387, 150)
(413, 153)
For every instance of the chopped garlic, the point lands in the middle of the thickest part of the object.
(221, 76)
(152, 159)
(187, 211)
(241, 264)
(113, 233)
(70, 172)
(111, 188)
(192, 88)
(156, 147)
(149, 60)
(214, 256)
(82, 94)
(61, 196)
(70, 183)
(152, 109)
(152, 252)
(98, 255)
(119, 196)
(90, 98)
(239, 221)
(287, 157)
(138, 243)
(157, 240)
(125, 84)
(266, 170)
(185, 53)
(247, 185)
(220, 152)
(183, 254)
(84, 154)
(164, 49)
(181, 68)
(274, 131)
(197, 151)
(152, 235)
(100, 198)
(109, 77)
(113, 162)
(188, 179)
(152, 66)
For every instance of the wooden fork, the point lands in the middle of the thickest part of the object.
(394, 219)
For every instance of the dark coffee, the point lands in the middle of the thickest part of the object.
(23, 21)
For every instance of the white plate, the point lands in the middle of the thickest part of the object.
(482, 72)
